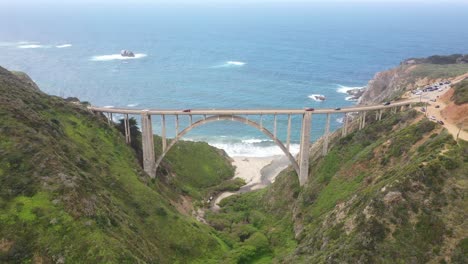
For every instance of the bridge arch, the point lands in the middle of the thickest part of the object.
(239, 119)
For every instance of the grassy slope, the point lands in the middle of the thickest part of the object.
(460, 95)
(438, 71)
(200, 172)
(72, 190)
(344, 214)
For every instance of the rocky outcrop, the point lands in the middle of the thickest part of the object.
(412, 74)
(26, 79)
(127, 53)
(384, 85)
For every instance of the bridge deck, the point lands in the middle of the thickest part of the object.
(245, 111)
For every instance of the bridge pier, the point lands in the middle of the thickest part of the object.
(362, 120)
(163, 132)
(345, 127)
(177, 125)
(128, 138)
(288, 136)
(304, 149)
(326, 136)
(274, 126)
(149, 165)
(380, 114)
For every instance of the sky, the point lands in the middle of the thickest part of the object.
(211, 2)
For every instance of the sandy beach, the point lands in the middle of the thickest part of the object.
(257, 173)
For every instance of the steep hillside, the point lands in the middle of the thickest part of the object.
(411, 74)
(72, 191)
(394, 192)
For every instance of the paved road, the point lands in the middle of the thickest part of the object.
(249, 111)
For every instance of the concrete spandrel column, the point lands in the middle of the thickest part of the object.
(163, 133)
(128, 137)
(304, 150)
(149, 163)
(326, 136)
(363, 124)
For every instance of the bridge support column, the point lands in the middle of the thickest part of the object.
(363, 120)
(326, 136)
(380, 114)
(345, 126)
(274, 126)
(128, 138)
(177, 125)
(149, 164)
(304, 151)
(288, 136)
(163, 132)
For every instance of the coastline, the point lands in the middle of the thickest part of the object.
(258, 172)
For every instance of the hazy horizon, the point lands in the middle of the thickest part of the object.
(188, 3)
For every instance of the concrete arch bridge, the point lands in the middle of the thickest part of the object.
(201, 117)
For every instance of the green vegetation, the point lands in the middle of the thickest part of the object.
(460, 95)
(73, 191)
(258, 225)
(438, 71)
(199, 171)
(389, 193)
(442, 59)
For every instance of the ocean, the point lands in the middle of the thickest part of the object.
(233, 56)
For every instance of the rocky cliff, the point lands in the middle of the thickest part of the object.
(411, 74)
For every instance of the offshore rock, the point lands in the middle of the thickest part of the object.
(127, 53)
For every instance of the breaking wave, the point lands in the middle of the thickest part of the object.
(250, 147)
(345, 89)
(316, 97)
(231, 64)
(63, 46)
(117, 57)
(31, 46)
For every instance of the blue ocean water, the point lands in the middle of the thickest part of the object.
(255, 56)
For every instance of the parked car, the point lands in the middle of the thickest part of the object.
(423, 109)
(432, 100)
(440, 122)
(437, 106)
(386, 103)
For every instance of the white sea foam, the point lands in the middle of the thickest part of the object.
(117, 57)
(247, 147)
(235, 63)
(345, 89)
(253, 150)
(132, 105)
(351, 99)
(63, 46)
(231, 64)
(254, 140)
(314, 97)
(31, 46)
(6, 44)
(340, 120)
